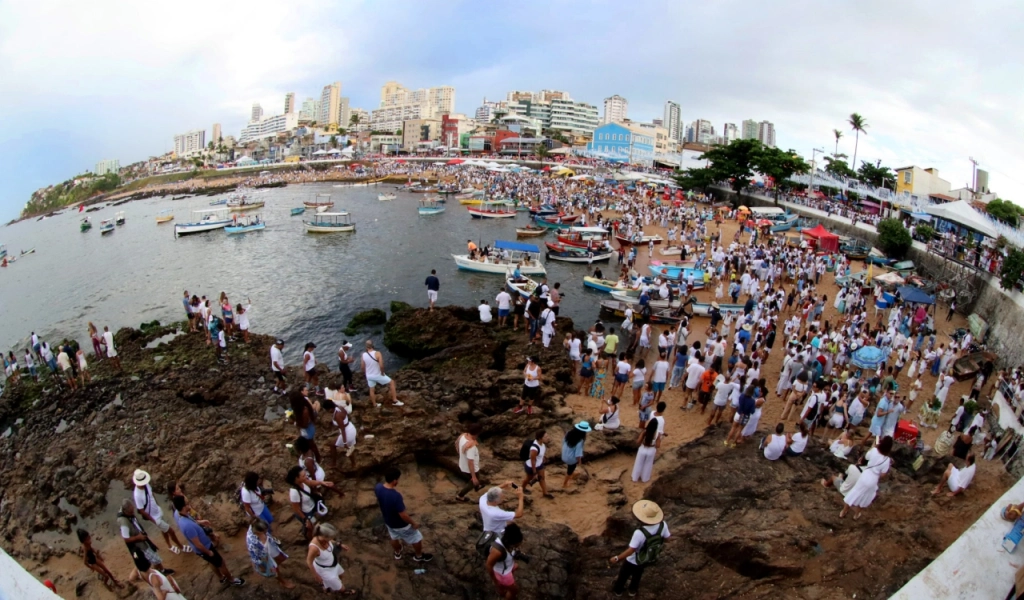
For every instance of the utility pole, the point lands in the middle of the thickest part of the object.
(974, 174)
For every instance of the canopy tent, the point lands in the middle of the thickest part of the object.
(348, 150)
(915, 295)
(827, 241)
(521, 247)
(962, 213)
(456, 161)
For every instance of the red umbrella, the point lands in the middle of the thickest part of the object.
(400, 160)
(764, 223)
(546, 168)
(455, 161)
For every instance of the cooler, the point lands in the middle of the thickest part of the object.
(906, 432)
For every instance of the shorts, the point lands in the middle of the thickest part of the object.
(741, 418)
(503, 312)
(586, 373)
(622, 377)
(432, 295)
(162, 525)
(216, 560)
(406, 534)
(531, 471)
(531, 393)
(703, 398)
(280, 376)
(308, 431)
(311, 372)
(570, 468)
(377, 380)
(608, 355)
(638, 384)
(505, 580)
(658, 386)
(229, 320)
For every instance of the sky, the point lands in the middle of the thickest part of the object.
(938, 82)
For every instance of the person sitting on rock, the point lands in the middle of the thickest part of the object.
(956, 479)
(775, 444)
(609, 416)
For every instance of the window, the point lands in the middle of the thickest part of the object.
(907, 176)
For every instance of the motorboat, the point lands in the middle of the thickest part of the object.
(563, 253)
(677, 272)
(204, 220)
(298, 210)
(429, 206)
(245, 205)
(330, 222)
(531, 231)
(119, 218)
(220, 202)
(320, 200)
(492, 210)
(603, 285)
(522, 257)
(246, 224)
(524, 286)
(106, 226)
(660, 316)
(164, 216)
(625, 241)
(85, 225)
(585, 237)
(386, 197)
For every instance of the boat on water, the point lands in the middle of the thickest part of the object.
(220, 202)
(585, 237)
(563, 253)
(245, 205)
(246, 224)
(106, 226)
(330, 222)
(119, 218)
(524, 257)
(85, 226)
(660, 316)
(553, 223)
(543, 209)
(625, 241)
(492, 210)
(680, 270)
(3, 251)
(204, 220)
(320, 200)
(475, 201)
(524, 286)
(603, 285)
(164, 216)
(386, 197)
(429, 206)
(298, 210)
(531, 231)
(421, 189)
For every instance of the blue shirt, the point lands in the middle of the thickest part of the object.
(570, 454)
(191, 529)
(747, 405)
(391, 504)
(681, 358)
(433, 283)
(876, 421)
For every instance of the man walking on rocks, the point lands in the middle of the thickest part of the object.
(108, 339)
(201, 543)
(277, 366)
(401, 527)
(644, 547)
(135, 536)
(147, 505)
(433, 286)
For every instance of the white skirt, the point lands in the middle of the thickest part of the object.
(751, 425)
(330, 575)
(863, 493)
(644, 463)
(350, 433)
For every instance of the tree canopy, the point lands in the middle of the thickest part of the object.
(1005, 211)
(875, 174)
(738, 161)
(836, 165)
(893, 238)
(779, 165)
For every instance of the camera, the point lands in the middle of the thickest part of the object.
(521, 557)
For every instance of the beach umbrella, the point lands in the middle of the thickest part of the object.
(869, 357)
(455, 161)
(546, 168)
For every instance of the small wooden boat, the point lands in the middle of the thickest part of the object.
(552, 223)
(246, 225)
(577, 255)
(671, 251)
(585, 237)
(215, 202)
(210, 219)
(321, 200)
(422, 189)
(660, 316)
(491, 210)
(106, 226)
(24, 252)
(531, 231)
(245, 206)
(325, 222)
(624, 241)
(386, 197)
(855, 250)
(968, 366)
(521, 256)
(543, 209)
(429, 206)
(85, 226)
(675, 272)
(119, 218)
(165, 216)
(298, 211)
(523, 286)
(471, 201)
(602, 285)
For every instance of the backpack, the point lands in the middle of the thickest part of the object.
(653, 544)
(528, 445)
(485, 542)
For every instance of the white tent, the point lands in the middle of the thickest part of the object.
(334, 151)
(319, 153)
(962, 213)
(348, 150)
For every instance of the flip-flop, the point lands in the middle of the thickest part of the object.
(175, 550)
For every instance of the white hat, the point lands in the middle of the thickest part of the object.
(649, 513)
(141, 478)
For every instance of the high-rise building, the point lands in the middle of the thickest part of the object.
(289, 103)
(549, 95)
(703, 132)
(310, 110)
(216, 135)
(672, 121)
(729, 133)
(190, 143)
(330, 105)
(399, 104)
(268, 127)
(257, 112)
(766, 133)
(749, 129)
(485, 112)
(362, 122)
(519, 96)
(577, 118)
(110, 165)
(616, 109)
(344, 112)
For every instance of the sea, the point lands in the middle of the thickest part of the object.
(303, 287)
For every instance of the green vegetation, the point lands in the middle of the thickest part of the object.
(926, 232)
(366, 318)
(74, 190)
(858, 125)
(893, 238)
(737, 163)
(836, 166)
(1005, 211)
(1013, 268)
(875, 174)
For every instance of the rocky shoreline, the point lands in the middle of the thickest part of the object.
(743, 527)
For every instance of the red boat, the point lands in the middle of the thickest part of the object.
(584, 237)
(560, 218)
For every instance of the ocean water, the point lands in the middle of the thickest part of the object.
(303, 287)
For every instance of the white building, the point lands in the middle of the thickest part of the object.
(364, 120)
(190, 143)
(730, 133)
(766, 133)
(257, 112)
(289, 103)
(399, 104)
(577, 118)
(110, 165)
(702, 132)
(749, 128)
(485, 112)
(330, 105)
(616, 109)
(673, 121)
(268, 127)
(310, 110)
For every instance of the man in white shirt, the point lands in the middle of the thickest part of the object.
(108, 339)
(277, 366)
(494, 517)
(485, 312)
(148, 508)
(469, 459)
(652, 525)
(956, 479)
(659, 376)
(504, 301)
(693, 374)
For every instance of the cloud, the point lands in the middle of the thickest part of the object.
(936, 81)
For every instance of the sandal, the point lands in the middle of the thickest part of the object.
(175, 550)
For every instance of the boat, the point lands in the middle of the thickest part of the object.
(298, 210)
(438, 199)
(164, 216)
(321, 200)
(968, 366)
(624, 241)
(208, 220)
(855, 249)
(703, 309)
(429, 206)
(246, 224)
(330, 222)
(531, 231)
(660, 316)
(543, 209)
(524, 257)
(585, 237)
(577, 255)
(674, 272)
(220, 202)
(119, 218)
(3, 251)
(471, 201)
(603, 285)
(106, 226)
(86, 225)
(671, 251)
(552, 223)
(244, 205)
(523, 286)
(386, 197)
(421, 189)
(491, 210)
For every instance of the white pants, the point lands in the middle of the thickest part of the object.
(644, 463)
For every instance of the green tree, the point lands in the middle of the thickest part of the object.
(875, 174)
(695, 179)
(779, 165)
(1005, 211)
(858, 125)
(542, 152)
(353, 121)
(925, 232)
(893, 238)
(836, 165)
(333, 141)
(838, 135)
(734, 163)
(1013, 268)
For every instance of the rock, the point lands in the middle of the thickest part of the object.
(135, 378)
(366, 318)
(398, 306)
(272, 413)
(7, 434)
(262, 379)
(61, 427)
(157, 359)
(117, 401)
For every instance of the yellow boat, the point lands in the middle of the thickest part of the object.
(474, 201)
(164, 217)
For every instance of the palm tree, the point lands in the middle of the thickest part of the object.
(858, 125)
(838, 134)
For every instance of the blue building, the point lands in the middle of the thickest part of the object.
(618, 142)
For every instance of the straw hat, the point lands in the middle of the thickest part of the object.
(141, 477)
(649, 513)
(714, 305)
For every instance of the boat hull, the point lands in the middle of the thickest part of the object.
(662, 316)
(463, 262)
(577, 257)
(316, 205)
(527, 232)
(106, 230)
(601, 285)
(430, 211)
(483, 214)
(245, 229)
(523, 288)
(194, 228)
(164, 219)
(246, 207)
(298, 211)
(322, 228)
(624, 241)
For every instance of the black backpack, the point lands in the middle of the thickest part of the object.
(486, 541)
(528, 445)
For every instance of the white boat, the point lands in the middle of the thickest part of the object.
(328, 222)
(119, 218)
(524, 257)
(321, 200)
(208, 220)
(430, 206)
(524, 286)
(244, 205)
(386, 197)
(492, 210)
(580, 257)
(247, 224)
(106, 226)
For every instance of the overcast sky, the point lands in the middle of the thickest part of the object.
(937, 81)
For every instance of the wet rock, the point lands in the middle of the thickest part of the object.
(398, 306)
(61, 427)
(366, 318)
(6, 434)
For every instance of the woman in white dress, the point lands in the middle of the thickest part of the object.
(324, 562)
(649, 441)
(876, 464)
(342, 419)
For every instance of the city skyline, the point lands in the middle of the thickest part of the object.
(946, 105)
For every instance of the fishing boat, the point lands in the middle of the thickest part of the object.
(164, 216)
(244, 204)
(585, 237)
(330, 222)
(119, 218)
(603, 285)
(386, 197)
(3, 251)
(491, 210)
(421, 189)
(86, 225)
(671, 251)
(524, 257)
(543, 209)
(680, 270)
(298, 210)
(429, 206)
(578, 255)
(552, 223)
(220, 202)
(625, 241)
(106, 226)
(968, 365)
(438, 199)
(321, 200)
(661, 316)
(475, 201)
(531, 231)
(246, 224)
(855, 250)
(703, 309)
(777, 220)
(203, 220)
(524, 286)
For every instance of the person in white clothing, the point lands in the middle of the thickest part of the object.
(108, 340)
(277, 366)
(547, 319)
(534, 465)
(649, 441)
(775, 444)
(309, 368)
(956, 479)
(373, 368)
(504, 302)
(242, 317)
(876, 464)
(495, 518)
(147, 506)
(341, 403)
(652, 520)
(485, 311)
(322, 560)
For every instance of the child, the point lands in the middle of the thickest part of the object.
(94, 561)
(242, 314)
(646, 404)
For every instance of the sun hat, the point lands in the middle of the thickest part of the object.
(747, 327)
(649, 513)
(584, 427)
(279, 342)
(346, 345)
(714, 305)
(141, 477)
